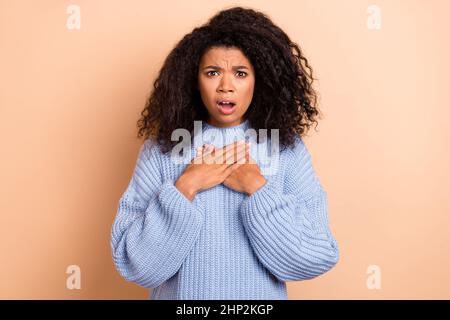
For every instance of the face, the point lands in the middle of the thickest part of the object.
(225, 74)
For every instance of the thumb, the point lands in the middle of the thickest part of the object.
(208, 148)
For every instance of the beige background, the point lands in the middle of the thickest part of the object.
(70, 100)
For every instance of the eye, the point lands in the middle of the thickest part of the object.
(245, 73)
(208, 73)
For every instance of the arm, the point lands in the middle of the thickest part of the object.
(289, 230)
(155, 227)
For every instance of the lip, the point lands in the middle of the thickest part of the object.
(225, 100)
(226, 111)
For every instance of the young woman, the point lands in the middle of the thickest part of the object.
(223, 225)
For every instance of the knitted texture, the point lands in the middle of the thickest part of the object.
(224, 244)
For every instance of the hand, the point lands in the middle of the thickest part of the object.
(209, 168)
(247, 177)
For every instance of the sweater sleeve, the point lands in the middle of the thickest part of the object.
(155, 226)
(289, 229)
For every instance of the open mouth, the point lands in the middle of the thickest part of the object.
(226, 107)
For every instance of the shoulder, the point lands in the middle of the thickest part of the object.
(149, 158)
(297, 151)
(300, 175)
(149, 150)
(146, 174)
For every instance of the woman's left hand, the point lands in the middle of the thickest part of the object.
(247, 178)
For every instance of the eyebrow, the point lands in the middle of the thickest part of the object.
(219, 68)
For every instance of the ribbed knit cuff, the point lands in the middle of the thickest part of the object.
(175, 203)
(266, 199)
(316, 210)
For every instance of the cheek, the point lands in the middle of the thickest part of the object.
(249, 89)
(207, 88)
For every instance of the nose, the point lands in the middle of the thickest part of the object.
(225, 84)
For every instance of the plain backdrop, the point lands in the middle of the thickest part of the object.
(70, 99)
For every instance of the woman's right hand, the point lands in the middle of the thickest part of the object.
(211, 167)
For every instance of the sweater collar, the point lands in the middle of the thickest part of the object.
(242, 126)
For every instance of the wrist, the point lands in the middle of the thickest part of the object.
(256, 184)
(187, 186)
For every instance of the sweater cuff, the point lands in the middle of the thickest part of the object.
(175, 203)
(266, 199)
(269, 199)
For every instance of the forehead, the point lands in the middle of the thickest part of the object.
(221, 55)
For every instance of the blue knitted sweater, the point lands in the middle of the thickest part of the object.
(224, 244)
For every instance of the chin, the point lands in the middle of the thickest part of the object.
(226, 119)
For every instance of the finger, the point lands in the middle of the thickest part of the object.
(228, 147)
(207, 147)
(242, 152)
(210, 154)
(250, 160)
(233, 144)
(198, 156)
(219, 156)
(204, 147)
(234, 153)
(218, 152)
(243, 155)
(230, 169)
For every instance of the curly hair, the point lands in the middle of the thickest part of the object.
(283, 97)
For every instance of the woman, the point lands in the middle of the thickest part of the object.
(223, 226)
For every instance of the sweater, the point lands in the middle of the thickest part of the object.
(223, 244)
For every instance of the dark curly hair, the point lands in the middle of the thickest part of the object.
(283, 97)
